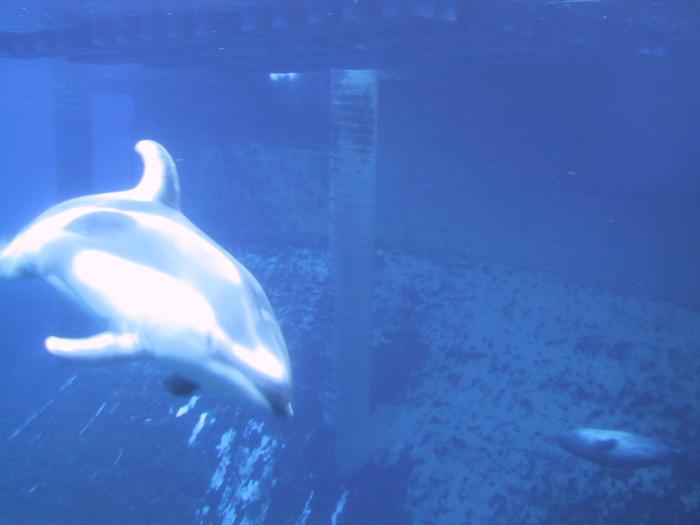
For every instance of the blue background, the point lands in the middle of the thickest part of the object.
(535, 270)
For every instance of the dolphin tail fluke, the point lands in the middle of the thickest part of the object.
(106, 346)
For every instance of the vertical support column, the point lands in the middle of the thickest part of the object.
(73, 155)
(353, 169)
(72, 130)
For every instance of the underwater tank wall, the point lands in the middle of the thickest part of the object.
(534, 269)
(453, 187)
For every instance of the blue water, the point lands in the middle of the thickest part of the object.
(506, 249)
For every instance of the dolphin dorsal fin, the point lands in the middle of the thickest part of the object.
(159, 181)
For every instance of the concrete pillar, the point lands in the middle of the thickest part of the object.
(73, 160)
(352, 187)
(72, 130)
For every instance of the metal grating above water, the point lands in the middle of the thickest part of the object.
(300, 35)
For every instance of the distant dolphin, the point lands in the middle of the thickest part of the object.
(160, 287)
(614, 448)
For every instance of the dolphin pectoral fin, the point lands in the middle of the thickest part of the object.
(107, 346)
(179, 386)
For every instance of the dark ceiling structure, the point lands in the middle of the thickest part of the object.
(303, 35)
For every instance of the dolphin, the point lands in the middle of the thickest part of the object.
(159, 288)
(615, 448)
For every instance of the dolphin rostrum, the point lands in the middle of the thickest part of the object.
(159, 286)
